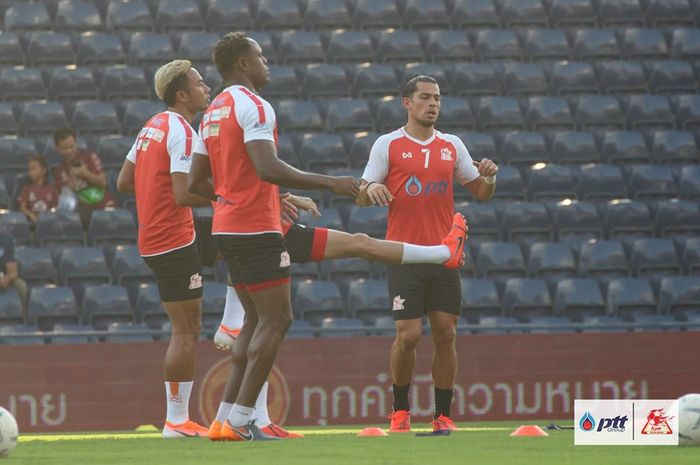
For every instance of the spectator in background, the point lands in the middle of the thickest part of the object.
(38, 195)
(8, 271)
(81, 176)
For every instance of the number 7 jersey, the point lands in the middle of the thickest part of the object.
(419, 174)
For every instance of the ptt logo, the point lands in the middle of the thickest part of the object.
(612, 425)
(414, 187)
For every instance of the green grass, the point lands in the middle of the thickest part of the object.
(482, 444)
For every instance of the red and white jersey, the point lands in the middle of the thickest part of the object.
(419, 175)
(163, 146)
(245, 204)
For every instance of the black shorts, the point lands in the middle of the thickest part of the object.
(178, 274)
(255, 262)
(415, 290)
(306, 244)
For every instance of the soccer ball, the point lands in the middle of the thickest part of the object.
(689, 420)
(8, 433)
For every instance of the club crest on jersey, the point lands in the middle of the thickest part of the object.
(406, 155)
(285, 261)
(398, 303)
(175, 398)
(195, 281)
(446, 154)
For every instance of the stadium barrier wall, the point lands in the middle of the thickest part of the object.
(346, 380)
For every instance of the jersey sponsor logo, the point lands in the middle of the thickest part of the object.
(413, 186)
(264, 126)
(446, 154)
(285, 261)
(158, 135)
(398, 304)
(406, 155)
(175, 398)
(195, 281)
(145, 144)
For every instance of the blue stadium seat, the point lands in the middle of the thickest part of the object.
(480, 299)
(399, 47)
(22, 335)
(287, 151)
(643, 44)
(330, 218)
(595, 44)
(523, 149)
(603, 324)
(687, 108)
(342, 327)
(11, 53)
(283, 82)
(50, 305)
(574, 148)
(298, 116)
(77, 15)
(474, 14)
(496, 325)
(568, 78)
(624, 147)
(349, 46)
(677, 219)
(197, 46)
(322, 80)
(651, 182)
(654, 259)
(603, 260)
(41, 118)
(129, 16)
(680, 296)
(316, 300)
(546, 44)
(228, 15)
(124, 82)
(550, 182)
(104, 304)
(10, 307)
(499, 113)
(113, 149)
(360, 147)
(548, 113)
(148, 306)
(578, 298)
(685, 44)
(627, 220)
(510, 184)
(690, 256)
(482, 220)
(374, 80)
(447, 46)
(128, 333)
(111, 227)
(455, 115)
(653, 322)
(689, 183)
(277, 15)
(136, 113)
(369, 220)
(59, 229)
(327, 15)
(622, 77)
(5, 198)
(15, 224)
(525, 298)
(300, 47)
(526, 223)
(35, 265)
(376, 14)
(348, 115)
(27, 16)
(71, 334)
(435, 70)
(21, 84)
(672, 77)
(572, 13)
(522, 14)
(425, 14)
(303, 271)
(550, 324)
(576, 221)
(523, 79)
(472, 79)
(178, 15)
(79, 267)
(500, 261)
(600, 182)
(264, 39)
(619, 13)
(99, 48)
(389, 114)
(468, 268)
(8, 123)
(322, 152)
(674, 147)
(479, 144)
(129, 269)
(669, 13)
(149, 49)
(368, 300)
(598, 112)
(551, 261)
(95, 118)
(648, 112)
(72, 83)
(492, 44)
(300, 329)
(630, 297)
(49, 48)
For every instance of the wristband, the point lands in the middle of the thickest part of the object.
(490, 179)
(369, 184)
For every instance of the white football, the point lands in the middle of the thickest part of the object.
(689, 420)
(8, 433)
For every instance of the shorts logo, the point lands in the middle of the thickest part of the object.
(195, 281)
(446, 154)
(657, 423)
(175, 398)
(398, 303)
(285, 261)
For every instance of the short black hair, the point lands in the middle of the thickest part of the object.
(412, 85)
(228, 50)
(177, 84)
(62, 134)
(43, 163)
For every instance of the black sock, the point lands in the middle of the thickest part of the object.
(401, 397)
(443, 399)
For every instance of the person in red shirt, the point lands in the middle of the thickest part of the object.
(239, 151)
(156, 170)
(411, 170)
(38, 195)
(81, 172)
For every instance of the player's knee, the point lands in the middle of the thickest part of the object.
(444, 339)
(408, 339)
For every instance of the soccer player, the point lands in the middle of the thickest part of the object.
(411, 171)
(156, 171)
(238, 150)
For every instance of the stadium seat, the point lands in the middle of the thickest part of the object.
(15, 224)
(680, 296)
(468, 267)
(77, 15)
(300, 329)
(298, 116)
(376, 14)
(687, 109)
(595, 44)
(104, 304)
(447, 46)
(390, 114)
(600, 182)
(27, 16)
(35, 265)
(21, 335)
(277, 15)
(50, 305)
(576, 221)
(8, 123)
(322, 152)
(500, 261)
(690, 256)
(622, 77)
(136, 113)
(654, 259)
(510, 184)
(11, 307)
(669, 13)
(493, 44)
(602, 324)
(369, 220)
(197, 46)
(482, 220)
(653, 322)
(374, 80)
(330, 218)
(643, 44)
(630, 297)
(425, 14)
(522, 14)
(360, 147)
(148, 306)
(677, 219)
(474, 14)
(342, 327)
(316, 300)
(72, 83)
(689, 183)
(49, 48)
(523, 79)
(111, 227)
(572, 13)
(5, 198)
(58, 229)
(128, 333)
(368, 300)
(264, 39)
(624, 147)
(349, 46)
(149, 49)
(479, 144)
(619, 13)
(651, 182)
(124, 82)
(113, 149)
(480, 299)
(473, 79)
(11, 53)
(551, 261)
(550, 324)
(300, 47)
(549, 181)
(526, 223)
(685, 44)
(648, 111)
(573, 148)
(434, 70)
(95, 118)
(322, 80)
(178, 15)
(399, 47)
(674, 147)
(578, 298)
(99, 48)
(228, 15)
(129, 269)
(327, 15)
(568, 78)
(548, 113)
(303, 271)
(455, 115)
(346, 114)
(672, 77)
(546, 44)
(499, 113)
(498, 325)
(523, 149)
(283, 82)
(71, 334)
(525, 298)
(41, 118)
(21, 84)
(79, 267)
(627, 220)
(603, 260)
(598, 112)
(129, 16)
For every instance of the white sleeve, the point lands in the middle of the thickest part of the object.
(178, 144)
(378, 164)
(131, 156)
(465, 171)
(198, 145)
(257, 122)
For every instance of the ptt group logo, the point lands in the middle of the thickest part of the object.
(611, 425)
(414, 187)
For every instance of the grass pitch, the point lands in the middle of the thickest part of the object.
(477, 443)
